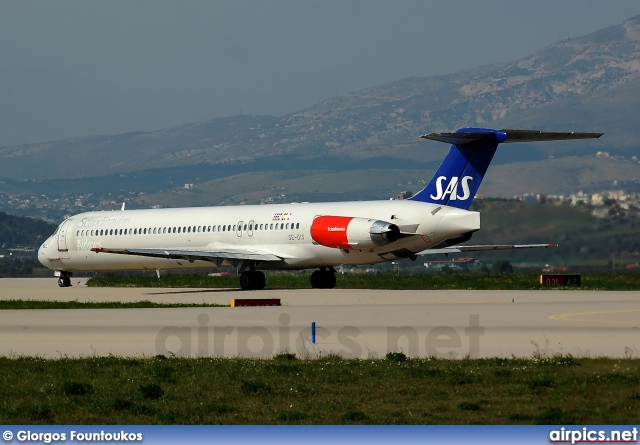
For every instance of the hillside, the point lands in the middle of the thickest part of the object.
(582, 239)
(25, 232)
(586, 83)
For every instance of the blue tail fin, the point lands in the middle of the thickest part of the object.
(457, 180)
(459, 176)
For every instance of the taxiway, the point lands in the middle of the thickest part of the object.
(353, 323)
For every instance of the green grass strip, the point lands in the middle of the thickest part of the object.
(331, 390)
(410, 281)
(39, 304)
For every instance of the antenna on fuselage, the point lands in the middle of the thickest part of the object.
(122, 208)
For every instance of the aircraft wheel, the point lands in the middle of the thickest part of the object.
(316, 279)
(252, 280)
(246, 281)
(64, 281)
(323, 279)
(259, 280)
(329, 280)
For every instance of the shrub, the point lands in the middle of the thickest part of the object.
(76, 388)
(151, 391)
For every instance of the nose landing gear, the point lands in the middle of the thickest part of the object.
(64, 280)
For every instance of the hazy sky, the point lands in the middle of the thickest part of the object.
(78, 68)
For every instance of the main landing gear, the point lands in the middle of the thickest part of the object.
(323, 278)
(252, 280)
(64, 280)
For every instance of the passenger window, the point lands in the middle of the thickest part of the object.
(271, 227)
(297, 225)
(276, 227)
(245, 227)
(281, 226)
(287, 227)
(234, 227)
(179, 229)
(229, 228)
(224, 228)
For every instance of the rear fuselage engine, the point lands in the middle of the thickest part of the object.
(347, 232)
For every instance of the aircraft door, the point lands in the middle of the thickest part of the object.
(62, 236)
(239, 228)
(250, 228)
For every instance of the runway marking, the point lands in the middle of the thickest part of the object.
(569, 317)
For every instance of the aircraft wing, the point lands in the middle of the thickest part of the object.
(191, 255)
(459, 249)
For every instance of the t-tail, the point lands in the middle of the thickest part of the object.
(458, 178)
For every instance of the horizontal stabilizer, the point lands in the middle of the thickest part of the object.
(535, 136)
(458, 249)
(462, 137)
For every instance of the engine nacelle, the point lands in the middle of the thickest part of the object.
(347, 232)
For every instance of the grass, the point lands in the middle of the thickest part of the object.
(330, 390)
(38, 304)
(388, 280)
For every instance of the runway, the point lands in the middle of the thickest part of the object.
(352, 323)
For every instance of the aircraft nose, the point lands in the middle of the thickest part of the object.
(42, 253)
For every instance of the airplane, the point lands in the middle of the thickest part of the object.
(295, 236)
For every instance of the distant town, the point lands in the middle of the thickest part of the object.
(607, 204)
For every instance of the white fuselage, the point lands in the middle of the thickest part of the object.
(282, 230)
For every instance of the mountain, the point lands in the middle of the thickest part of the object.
(582, 84)
(21, 231)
